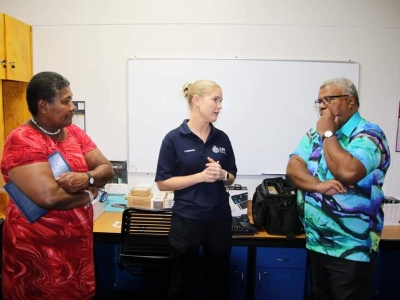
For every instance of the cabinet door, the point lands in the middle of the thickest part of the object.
(2, 49)
(279, 284)
(237, 283)
(18, 48)
(3, 194)
(281, 257)
(387, 285)
(238, 273)
(238, 256)
(14, 104)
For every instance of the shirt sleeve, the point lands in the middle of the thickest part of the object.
(304, 148)
(86, 143)
(22, 147)
(230, 165)
(366, 148)
(166, 160)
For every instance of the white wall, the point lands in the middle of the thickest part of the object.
(89, 41)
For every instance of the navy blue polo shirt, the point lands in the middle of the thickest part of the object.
(183, 153)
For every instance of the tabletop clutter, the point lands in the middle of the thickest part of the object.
(391, 211)
(144, 197)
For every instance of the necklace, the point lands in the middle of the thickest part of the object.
(44, 130)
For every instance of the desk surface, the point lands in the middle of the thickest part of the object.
(110, 222)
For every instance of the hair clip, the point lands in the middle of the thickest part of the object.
(186, 91)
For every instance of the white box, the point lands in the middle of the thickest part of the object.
(117, 188)
(238, 200)
(169, 200)
(98, 209)
(391, 213)
(157, 202)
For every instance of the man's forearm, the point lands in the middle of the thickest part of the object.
(300, 175)
(340, 163)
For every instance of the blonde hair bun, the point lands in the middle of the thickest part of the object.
(185, 89)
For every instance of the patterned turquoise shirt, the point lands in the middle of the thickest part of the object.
(346, 225)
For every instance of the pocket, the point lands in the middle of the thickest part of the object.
(177, 234)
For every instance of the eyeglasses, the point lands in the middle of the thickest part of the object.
(327, 100)
(102, 195)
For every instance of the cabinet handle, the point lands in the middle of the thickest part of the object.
(12, 64)
(4, 63)
(259, 278)
(282, 259)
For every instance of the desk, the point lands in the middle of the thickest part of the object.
(104, 227)
(106, 230)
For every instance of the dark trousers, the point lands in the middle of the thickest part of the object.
(335, 278)
(186, 236)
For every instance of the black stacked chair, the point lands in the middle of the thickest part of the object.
(144, 248)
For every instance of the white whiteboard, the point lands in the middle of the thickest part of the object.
(268, 106)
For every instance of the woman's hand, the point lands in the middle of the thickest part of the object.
(73, 182)
(213, 171)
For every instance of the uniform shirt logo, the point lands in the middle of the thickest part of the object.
(190, 150)
(217, 149)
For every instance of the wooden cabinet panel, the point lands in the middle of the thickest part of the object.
(14, 104)
(3, 195)
(18, 44)
(15, 73)
(2, 49)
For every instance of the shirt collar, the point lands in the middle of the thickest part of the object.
(184, 128)
(350, 125)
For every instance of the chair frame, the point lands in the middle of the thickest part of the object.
(144, 247)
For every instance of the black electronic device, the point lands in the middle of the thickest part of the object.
(240, 227)
(119, 205)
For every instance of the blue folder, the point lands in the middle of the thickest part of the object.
(29, 208)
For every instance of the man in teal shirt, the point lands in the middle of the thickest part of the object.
(339, 168)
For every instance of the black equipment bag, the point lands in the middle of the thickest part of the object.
(275, 207)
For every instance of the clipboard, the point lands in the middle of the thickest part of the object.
(30, 209)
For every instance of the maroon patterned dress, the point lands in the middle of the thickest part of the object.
(53, 257)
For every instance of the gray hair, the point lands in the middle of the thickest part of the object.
(346, 85)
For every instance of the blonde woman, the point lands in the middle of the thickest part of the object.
(197, 161)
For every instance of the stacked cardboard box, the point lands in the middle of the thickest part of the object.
(139, 197)
(143, 197)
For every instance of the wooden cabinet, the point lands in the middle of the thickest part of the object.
(15, 73)
(15, 49)
(3, 61)
(15, 108)
(3, 195)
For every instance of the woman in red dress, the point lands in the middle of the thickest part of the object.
(51, 258)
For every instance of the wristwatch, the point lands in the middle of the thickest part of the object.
(91, 179)
(327, 134)
(226, 176)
